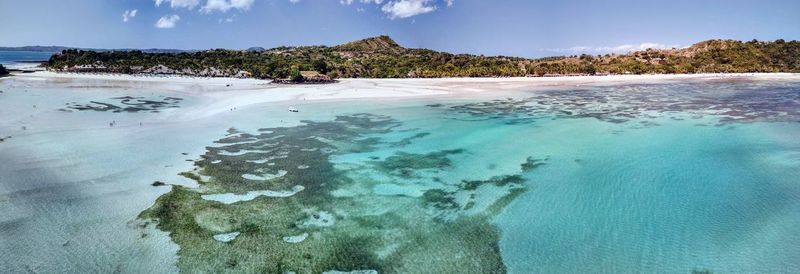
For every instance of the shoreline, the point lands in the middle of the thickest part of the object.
(225, 94)
(616, 77)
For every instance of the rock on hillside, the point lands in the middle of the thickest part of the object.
(373, 44)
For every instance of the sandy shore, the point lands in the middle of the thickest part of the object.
(477, 84)
(234, 93)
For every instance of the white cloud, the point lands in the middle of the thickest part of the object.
(407, 8)
(167, 21)
(210, 5)
(294, 1)
(128, 15)
(348, 2)
(616, 49)
(399, 8)
(175, 4)
(227, 20)
(642, 46)
(225, 5)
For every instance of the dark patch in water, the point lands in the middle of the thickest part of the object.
(126, 104)
(357, 230)
(405, 164)
(734, 101)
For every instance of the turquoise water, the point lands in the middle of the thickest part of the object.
(676, 187)
(697, 175)
(674, 198)
(661, 196)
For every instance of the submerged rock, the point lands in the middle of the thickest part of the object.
(319, 219)
(359, 232)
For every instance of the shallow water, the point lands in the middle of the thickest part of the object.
(669, 199)
(676, 177)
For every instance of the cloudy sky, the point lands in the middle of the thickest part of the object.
(493, 27)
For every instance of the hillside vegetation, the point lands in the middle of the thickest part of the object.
(381, 57)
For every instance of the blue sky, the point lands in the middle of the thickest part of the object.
(492, 27)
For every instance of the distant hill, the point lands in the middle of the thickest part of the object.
(61, 48)
(35, 48)
(382, 57)
(255, 49)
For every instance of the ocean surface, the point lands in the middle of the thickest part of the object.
(675, 177)
(14, 58)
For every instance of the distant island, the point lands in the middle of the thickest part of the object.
(382, 57)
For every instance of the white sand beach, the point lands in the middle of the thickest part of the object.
(232, 93)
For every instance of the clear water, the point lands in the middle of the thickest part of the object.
(706, 179)
(674, 198)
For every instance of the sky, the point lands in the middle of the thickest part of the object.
(529, 28)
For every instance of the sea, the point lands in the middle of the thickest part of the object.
(17, 58)
(680, 176)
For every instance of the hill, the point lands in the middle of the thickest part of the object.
(370, 45)
(712, 56)
(382, 57)
(35, 48)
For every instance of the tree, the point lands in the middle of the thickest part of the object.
(590, 69)
(295, 75)
(320, 66)
(333, 75)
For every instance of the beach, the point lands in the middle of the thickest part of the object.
(348, 89)
(85, 149)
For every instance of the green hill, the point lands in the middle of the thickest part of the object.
(382, 57)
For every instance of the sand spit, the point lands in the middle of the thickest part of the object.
(369, 271)
(295, 239)
(227, 237)
(230, 198)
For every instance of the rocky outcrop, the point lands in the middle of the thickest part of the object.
(374, 44)
(159, 69)
(307, 77)
(255, 49)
